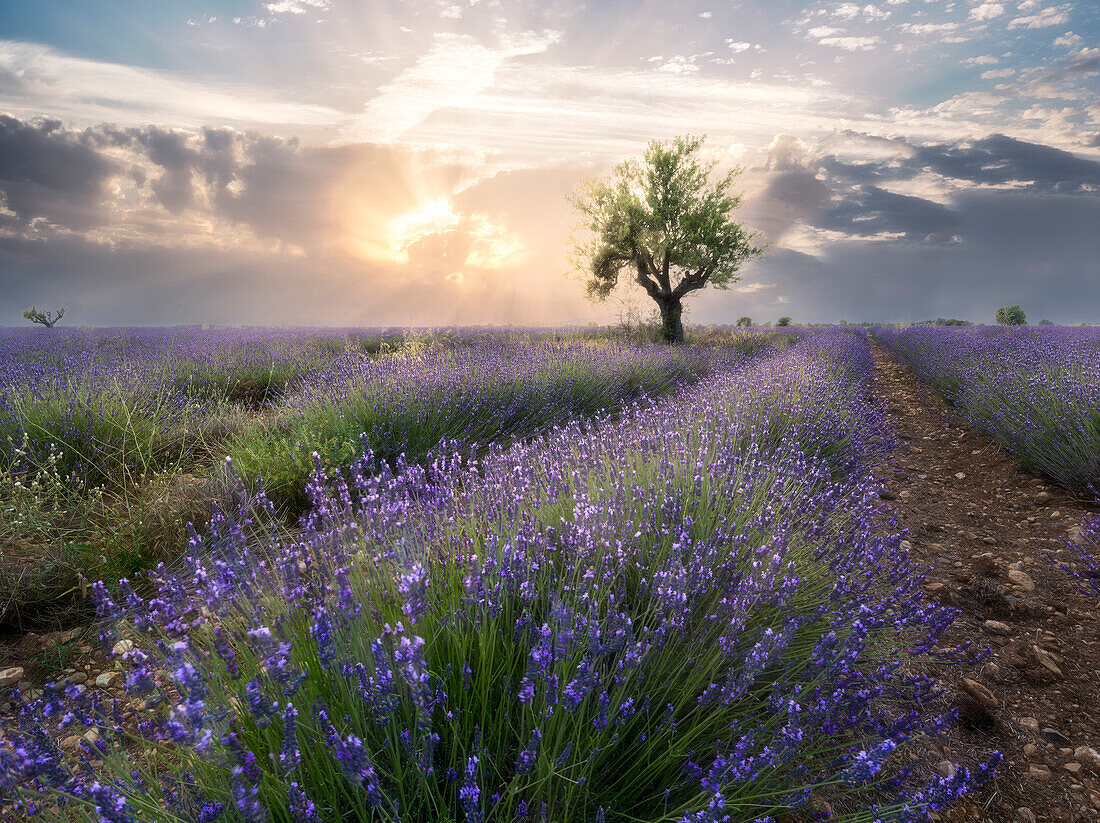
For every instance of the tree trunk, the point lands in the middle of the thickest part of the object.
(672, 311)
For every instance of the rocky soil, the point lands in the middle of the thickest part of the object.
(992, 535)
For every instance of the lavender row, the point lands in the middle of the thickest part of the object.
(119, 402)
(682, 612)
(496, 390)
(1036, 391)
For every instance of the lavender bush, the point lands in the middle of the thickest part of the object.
(679, 612)
(1036, 391)
(474, 395)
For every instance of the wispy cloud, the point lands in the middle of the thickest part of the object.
(451, 75)
(37, 80)
(1051, 16)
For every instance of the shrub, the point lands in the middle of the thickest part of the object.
(1011, 316)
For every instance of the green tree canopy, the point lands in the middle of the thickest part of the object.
(666, 221)
(1011, 316)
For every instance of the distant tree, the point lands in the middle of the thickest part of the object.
(1011, 316)
(744, 321)
(1045, 322)
(783, 321)
(47, 319)
(665, 221)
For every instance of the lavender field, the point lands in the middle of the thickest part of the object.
(464, 576)
(1036, 391)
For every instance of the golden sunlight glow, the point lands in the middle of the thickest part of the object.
(434, 217)
(433, 236)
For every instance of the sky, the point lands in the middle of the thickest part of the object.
(393, 163)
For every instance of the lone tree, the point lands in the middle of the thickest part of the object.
(744, 321)
(665, 221)
(783, 321)
(1011, 316)
(46, 319)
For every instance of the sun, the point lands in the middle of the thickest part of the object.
(436, 216)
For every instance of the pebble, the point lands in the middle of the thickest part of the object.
(1072, 767)
(1021, 579)
(960, 475)
(997, 627)
(1044, 659)
(1039, 771)
(70, 743)
(946, 768)
(107, 679)
(979, 693)
(11, 676)
(1089, 757)
(1030, 749)
(1025, 815)
(1055, 736)
(122, 646)
(1030, 723)
(1042, 497)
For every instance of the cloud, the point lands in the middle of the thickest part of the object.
(986, 11)
(982, 60)
(995, 74)
(49, 173)
(929, 28)
(296, 6)
(1050, 16)
(1068, 40)
(454, 71)
(851, 43)
(39, 81)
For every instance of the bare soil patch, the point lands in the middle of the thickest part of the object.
(992, 535)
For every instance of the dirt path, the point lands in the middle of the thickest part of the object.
(988, 530)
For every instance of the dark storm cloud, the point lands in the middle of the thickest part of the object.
(277, 187)
(49, 172)
(904, 257)
(1000, 159)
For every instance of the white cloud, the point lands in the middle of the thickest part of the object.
(928, 28)
(823, 31)
(1068, 40)
(983, 60)
(89, 92)
(850, 11)
(752, 288)
(680, 64)
(986, 11)
(738, 46)
(1052, 16)
(296, 6)
(851, 43)
(996, 73)
(452, 74)
(706, 15)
